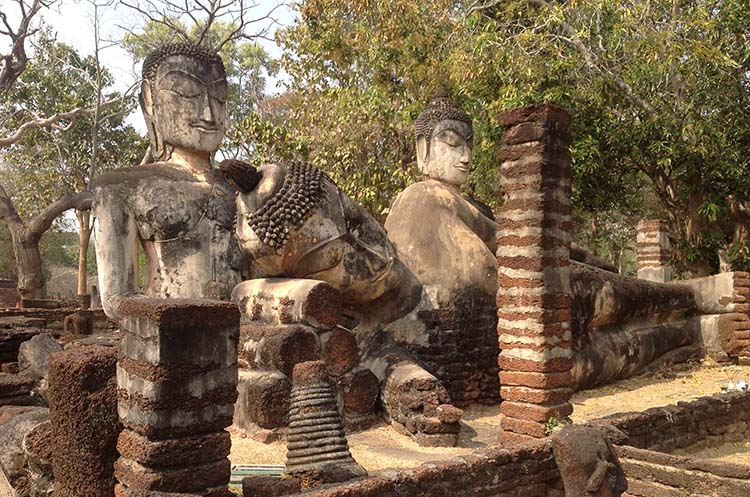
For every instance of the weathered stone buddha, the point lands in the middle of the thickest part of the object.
(448, 243)
(440, 235)
(177, 207)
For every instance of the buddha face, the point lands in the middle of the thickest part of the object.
(187, 103)
(448, 158)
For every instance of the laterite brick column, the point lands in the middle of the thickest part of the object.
(653, 251)
(83, 420)
(533, 250)
(177, 384)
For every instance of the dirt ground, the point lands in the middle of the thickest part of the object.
(381, 448)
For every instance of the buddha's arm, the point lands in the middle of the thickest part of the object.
(486, 228)
(116, 236)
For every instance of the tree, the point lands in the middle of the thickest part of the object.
(53, 167)
(658, 92)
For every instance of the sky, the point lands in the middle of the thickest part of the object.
(73, 22)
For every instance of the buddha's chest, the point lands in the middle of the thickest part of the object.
(172, 210)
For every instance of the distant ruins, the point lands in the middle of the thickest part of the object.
(345, 322)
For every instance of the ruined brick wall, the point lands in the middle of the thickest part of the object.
(656, 474)
(176, 388)
(723, 301)
(533, 270)
(8, 294)
(707, 421)
(461, 349)
(528, 471)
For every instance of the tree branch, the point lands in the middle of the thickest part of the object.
(42, 222)
(52, 122)
(594, 62)
(12, 64)
(8, 212)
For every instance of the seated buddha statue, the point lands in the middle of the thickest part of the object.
(177, 207)
(440, 235)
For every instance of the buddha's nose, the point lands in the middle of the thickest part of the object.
(207, 113)
(466, 155)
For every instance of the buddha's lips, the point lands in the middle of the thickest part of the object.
(205, 129)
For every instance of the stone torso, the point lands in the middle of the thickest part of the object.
(185, 225)
(443, 238)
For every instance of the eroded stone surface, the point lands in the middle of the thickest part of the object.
(83, 414)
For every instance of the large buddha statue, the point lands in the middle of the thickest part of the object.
(440, 235)
(177, 207)
(448, 243)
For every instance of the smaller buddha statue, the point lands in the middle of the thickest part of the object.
(177, 206)
(443, 237)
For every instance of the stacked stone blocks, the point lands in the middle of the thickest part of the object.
(653, 251)
(461, 347)
(177, 384)
(317, 449)
(534, 295)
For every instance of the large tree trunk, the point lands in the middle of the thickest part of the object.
(31, 281)
(26, 236)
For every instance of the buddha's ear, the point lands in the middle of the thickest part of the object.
(147, 98)
(422, 152)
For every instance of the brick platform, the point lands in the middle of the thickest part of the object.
(653, 251)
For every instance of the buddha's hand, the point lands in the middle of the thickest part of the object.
(418, 404)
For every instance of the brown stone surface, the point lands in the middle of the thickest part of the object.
(122, 491)
(278, 347)
(535, 380)
(523, 427)
(461, 347)
(181, 313)
(269, 486)
(360, 388)
(341, 352)
(263, 399)
(173, 479)
(541, 114)
(535, 412)
(79, 323)
(14, 385)
(83, 413)
(15, 423)
(588, 463)
(317, 449)
(528, 471)
(184, 451)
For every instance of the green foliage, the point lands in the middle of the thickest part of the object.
(658, 96)
(554, 422)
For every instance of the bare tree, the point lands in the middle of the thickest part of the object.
(203, 14)
(13, 63)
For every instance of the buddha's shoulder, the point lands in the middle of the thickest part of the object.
(149, 174)
(427, 192)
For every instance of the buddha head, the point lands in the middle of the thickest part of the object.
(444, 141)
(183, 98)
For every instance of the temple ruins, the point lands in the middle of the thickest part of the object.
(279, 310)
